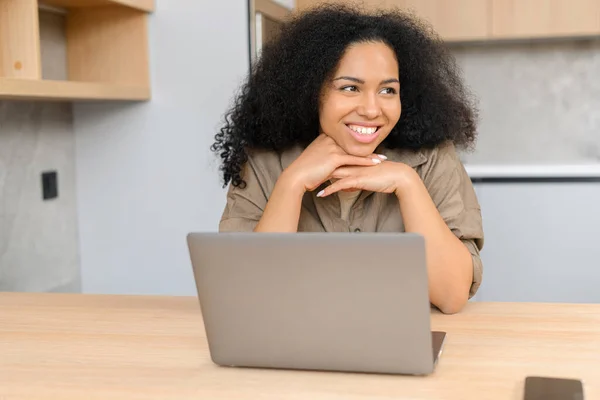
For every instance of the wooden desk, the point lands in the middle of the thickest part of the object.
(59, 346)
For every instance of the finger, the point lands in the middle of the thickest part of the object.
(344, 172)
(380, 156)
(342, 184)
(360, 161)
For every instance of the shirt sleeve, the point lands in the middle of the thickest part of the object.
(451, 190)
(245, 205)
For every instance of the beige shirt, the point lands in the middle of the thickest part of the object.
(347, 200)
(440, 169)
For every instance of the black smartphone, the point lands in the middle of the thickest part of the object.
(546, 388)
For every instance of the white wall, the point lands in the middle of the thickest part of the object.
(145, 176)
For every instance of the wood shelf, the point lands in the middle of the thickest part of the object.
(142, 5)
(37, 89)
(106, 45)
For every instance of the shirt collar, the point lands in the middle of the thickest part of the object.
(412, 158)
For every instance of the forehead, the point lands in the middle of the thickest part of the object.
(369, 59)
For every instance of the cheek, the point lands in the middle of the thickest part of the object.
(332, 112)
(393, 112)
(338, 108)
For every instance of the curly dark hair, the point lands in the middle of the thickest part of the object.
(278, 106)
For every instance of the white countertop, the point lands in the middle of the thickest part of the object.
(534, 171)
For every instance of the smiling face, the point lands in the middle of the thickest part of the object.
(361, 103)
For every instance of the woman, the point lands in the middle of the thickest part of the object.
(350, 122)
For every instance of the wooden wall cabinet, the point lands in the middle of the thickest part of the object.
(518, 19)
(479, 20)
(107, 51)
(453, 20)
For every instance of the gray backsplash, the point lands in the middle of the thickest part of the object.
(39, 246)
(38, 238)
(539, 101)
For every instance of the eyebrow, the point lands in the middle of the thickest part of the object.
(350, 78)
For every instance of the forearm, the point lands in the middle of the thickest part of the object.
(449, 262)
(282, 211)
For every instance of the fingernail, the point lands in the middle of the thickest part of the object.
(376, 160)
(320, 193)
(382, 156)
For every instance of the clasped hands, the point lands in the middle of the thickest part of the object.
(325, 160)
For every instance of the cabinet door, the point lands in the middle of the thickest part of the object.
(541, 242)
(453, 20)
(545, 18)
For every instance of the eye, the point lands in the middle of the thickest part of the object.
(350, 88)
(388, 91)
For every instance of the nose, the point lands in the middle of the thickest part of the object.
(369, 106)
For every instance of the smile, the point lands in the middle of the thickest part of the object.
(363, 130)
(363, 134)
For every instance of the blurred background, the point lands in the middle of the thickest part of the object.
(108, 109)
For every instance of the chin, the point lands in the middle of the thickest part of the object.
(360, 150)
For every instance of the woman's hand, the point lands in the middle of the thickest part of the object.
(387, 177)
(320, 159)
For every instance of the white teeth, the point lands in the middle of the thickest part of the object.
(363, 130)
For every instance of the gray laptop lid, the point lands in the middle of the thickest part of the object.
(321, 301)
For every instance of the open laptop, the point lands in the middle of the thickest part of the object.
(316, 301)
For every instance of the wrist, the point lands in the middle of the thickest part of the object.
(407, 178)
(290, 184)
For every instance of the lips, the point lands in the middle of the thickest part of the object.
(363, 133)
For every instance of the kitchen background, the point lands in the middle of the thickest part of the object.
(133, 178)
